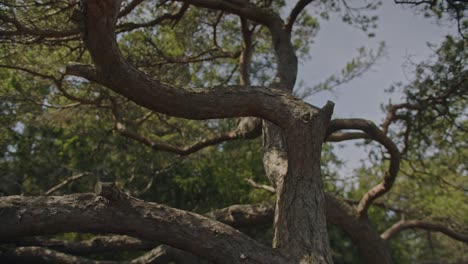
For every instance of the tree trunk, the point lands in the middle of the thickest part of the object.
(300, 223)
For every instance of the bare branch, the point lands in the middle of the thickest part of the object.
(164, 254)
(376, 134)
(411, 224)
(66, 182)
(32, 72)
(392, 115)
(174, 16)
(22, 29)
(260, 186)
(300, 5)
(248, 128)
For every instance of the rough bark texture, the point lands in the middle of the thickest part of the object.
(90, 213)
(300, 203)
(372, 249)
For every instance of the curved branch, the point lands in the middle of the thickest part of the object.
(376, 134)
(407, 224)
(112, 211)
(338, 136)
(232, 101)
(248, 128)
(392, 116)
(300, 5)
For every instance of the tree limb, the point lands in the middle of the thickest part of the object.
(232, 101)
(376, 134)
(112, 211)
(337, 212)
(407, 224)
(300, 5)
(260, 186)
(66, 181)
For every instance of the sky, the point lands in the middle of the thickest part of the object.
(406, 35)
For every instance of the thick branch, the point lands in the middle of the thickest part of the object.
(112, 71)
(337, 212)
(338, 136)
(118, 213)
(402, 225)
(244, 215)
(241, 8)
(376, 134)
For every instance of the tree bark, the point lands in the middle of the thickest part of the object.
(300, 223)
(117, 213)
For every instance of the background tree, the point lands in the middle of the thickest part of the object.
(62, 133)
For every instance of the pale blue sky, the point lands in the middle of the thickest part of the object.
(405, 34)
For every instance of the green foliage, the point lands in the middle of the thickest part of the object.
(431, 185)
